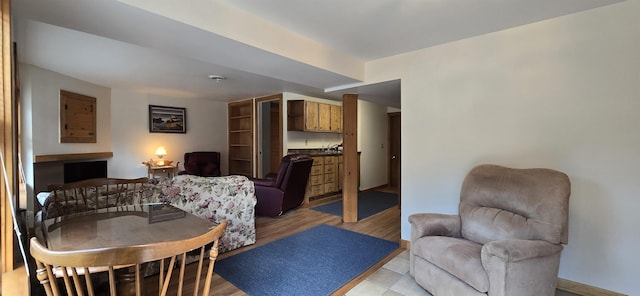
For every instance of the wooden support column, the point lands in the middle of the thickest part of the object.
(350, 157)
(6, 140)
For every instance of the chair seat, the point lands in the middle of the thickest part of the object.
(459, 257)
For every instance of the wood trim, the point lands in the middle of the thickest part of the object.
(583, 289)
(72, 156)
(276, 97)
(405, 244)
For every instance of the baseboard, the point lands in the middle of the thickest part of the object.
(583, 289)
(405, 244)
(562, 284)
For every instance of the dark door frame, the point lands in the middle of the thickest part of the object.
(278, 98)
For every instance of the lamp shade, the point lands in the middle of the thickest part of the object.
(161, 151)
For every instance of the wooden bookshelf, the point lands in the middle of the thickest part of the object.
(241, 138)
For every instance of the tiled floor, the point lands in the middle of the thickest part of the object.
(392, 279)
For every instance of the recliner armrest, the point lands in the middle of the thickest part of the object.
(521, 267)
(427, 224)
(515, 250)
(264, 182)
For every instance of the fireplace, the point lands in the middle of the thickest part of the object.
(65, 171)
(78, 171)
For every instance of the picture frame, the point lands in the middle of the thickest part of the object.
(165, 119)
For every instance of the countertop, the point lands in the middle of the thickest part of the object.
(315, 152)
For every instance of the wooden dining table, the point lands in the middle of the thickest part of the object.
(122, 226)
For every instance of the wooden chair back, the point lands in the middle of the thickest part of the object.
(76, 266)
(92, 194)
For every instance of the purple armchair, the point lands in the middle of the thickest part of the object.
(279, 193)
(203, 163)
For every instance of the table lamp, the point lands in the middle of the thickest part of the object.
(160, 152)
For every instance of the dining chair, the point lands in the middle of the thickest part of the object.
(75, 266)
(91, 194)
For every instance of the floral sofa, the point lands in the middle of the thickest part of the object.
(230, 198)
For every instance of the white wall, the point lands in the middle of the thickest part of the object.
(372, 143)
(40, 124)
(122, 125)
(132, 142)
(562, 93)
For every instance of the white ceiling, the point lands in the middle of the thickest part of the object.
(167, 47)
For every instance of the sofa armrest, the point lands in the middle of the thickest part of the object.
(515, 250)
(427, 224)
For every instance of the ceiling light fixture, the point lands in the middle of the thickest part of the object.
(217, 78)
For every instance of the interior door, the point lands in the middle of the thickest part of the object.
(394, 150)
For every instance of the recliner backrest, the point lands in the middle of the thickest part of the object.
(285, 165)
(297, 172)
(293, 181)
(498, 203)
(202, 163)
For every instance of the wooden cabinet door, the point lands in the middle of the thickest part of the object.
(77, 118)
(324, 117)
(336, 118)
(311, 116)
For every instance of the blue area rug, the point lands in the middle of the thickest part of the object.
(317, 261)
(369, 203)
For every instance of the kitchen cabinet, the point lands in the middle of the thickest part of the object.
(324, 117)
(336, 118)
(316, 177)
(325, 176)
(310, 116)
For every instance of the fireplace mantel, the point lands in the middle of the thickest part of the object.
(73, 156)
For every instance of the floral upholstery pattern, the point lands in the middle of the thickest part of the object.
(230, 198)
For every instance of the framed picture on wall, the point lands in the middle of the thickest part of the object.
(164, 119)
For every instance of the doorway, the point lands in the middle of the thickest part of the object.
(268, 134)
(394, 149)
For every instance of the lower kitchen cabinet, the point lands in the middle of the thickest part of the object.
(325, 176)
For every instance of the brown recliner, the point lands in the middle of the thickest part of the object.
(506, 240)
(278, 193)
(201, 163)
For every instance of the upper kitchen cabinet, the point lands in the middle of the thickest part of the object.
(310, 116)
(336, 118)
(324, 118)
